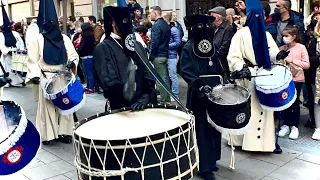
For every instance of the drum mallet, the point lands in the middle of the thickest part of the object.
(262, 75)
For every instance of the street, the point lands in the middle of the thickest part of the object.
(300, 159)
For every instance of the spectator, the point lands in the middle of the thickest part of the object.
(178, 25)
(98, 31)
(85, 52)
(271, 27)
(160, 38)
(81, 19)
(230, 13)
(315, 7)
(142, 31)
(71, 26)
(298, 60)
(313, 34)
(174, 44)
(76, 40)
(240, 17)
(148, 24)
(223, 34)
(137, 17)
(284, 16)
(18, 27)
(135, 5)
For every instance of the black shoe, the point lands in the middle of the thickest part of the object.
(65, 139)
(23, 84)
(277, 151)
(215, 169)
(310, 124)
(207, 175)
(45, 142)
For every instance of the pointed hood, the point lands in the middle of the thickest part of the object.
(255, 21)
(9, 39)
(54, 52)
(121, 16)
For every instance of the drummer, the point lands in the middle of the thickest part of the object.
(253, 45)
(10, 41)
(196, 59)
(113, 66)
(48, 53)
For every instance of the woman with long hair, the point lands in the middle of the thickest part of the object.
(85, 52)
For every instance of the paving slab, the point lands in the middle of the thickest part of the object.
(310, 158)
(239, 155)
(297, 170)
(276, 159)
(60, 177)
(71, 175)
(48, 170)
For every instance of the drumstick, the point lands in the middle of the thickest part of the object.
(262, 75)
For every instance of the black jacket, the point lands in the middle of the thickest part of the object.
(296, 19)
(160, 38)
(110, 65)
(222, 40)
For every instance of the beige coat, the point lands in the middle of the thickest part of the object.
(49, 122)
(261, 134)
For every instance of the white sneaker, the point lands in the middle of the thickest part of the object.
(284, 130)
(294, 133)
(316, 134)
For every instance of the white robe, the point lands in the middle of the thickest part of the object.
(6, 58)
(49, 122)
(261, 134)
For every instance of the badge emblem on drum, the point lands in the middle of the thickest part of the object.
(284, 95)
(241, 117)
(13, 156)
(66, 100)
(129, 42)
(204, 46)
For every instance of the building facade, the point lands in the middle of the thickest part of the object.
(22, 9)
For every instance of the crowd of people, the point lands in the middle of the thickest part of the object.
(235, 45)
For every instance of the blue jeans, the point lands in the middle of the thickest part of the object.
(172, 68)
(88, 71)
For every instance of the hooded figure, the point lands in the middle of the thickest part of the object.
(252, 47)
(115, 62)
(10, 41)
(48, 53)
(196, 60)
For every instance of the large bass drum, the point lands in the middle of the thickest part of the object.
(157, 143)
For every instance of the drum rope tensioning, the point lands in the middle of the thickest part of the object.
(154, 144)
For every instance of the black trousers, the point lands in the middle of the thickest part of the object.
(292, 114)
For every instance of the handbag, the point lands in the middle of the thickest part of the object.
(295, 70)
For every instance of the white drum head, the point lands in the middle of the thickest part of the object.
(281, 75)
(131, 125)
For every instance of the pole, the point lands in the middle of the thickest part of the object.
(31, 4)
(65, 15)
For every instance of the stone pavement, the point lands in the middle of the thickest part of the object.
(299, 161)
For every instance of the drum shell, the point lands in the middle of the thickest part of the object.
(170, 170)
(225, 115)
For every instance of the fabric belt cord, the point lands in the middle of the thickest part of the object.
(143, 56)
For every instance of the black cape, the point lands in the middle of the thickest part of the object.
(110, 66)
(208, 138)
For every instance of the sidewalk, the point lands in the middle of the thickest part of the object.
(299, 161)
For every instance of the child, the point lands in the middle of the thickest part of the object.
(297, 60)
(142, 31)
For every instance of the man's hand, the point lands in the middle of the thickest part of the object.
(282, 55)
(243, 73)
(36, 80)
(70, 65)
(141, 103)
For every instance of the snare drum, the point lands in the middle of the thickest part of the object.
(275, 92)
(19, 63)
(65, 91)
(19, 139)
(230, 109)
(157, 143)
